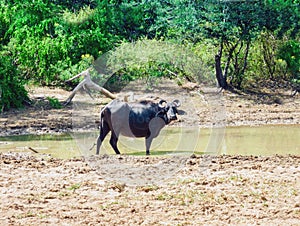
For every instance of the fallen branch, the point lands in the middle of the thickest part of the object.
(87, 84)
(32, 149)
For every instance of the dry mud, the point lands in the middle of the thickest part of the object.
(205, 190)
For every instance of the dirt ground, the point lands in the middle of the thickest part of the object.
(223, 190)
(196, 190)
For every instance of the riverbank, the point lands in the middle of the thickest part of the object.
(201, 106)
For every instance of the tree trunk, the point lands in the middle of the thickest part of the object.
(240, 64)
(219, 74)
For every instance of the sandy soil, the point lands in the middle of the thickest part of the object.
(224, 190)
(196, 190)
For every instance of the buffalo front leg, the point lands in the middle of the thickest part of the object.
(148, 142)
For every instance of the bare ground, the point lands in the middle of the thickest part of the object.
(226, 190)
(198, 190)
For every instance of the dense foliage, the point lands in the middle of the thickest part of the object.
(12, 91)
(240, 43)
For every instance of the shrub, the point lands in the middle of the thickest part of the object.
(290, 53)
(54, 102)
(12, 91)
(155, 58)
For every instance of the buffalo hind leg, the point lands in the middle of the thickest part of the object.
(104, 130)
(113, 142)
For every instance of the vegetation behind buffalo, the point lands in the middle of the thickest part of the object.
(49, 41)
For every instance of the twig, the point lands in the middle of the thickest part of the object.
(171, 72)
(31, 149)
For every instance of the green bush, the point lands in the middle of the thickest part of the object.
(54, 103)
(290, 53)
(12, 91)
(47, 39)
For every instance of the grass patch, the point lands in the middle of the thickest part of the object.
(74, 187)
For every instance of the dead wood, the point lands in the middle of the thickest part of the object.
(32, 149)
(87, 84)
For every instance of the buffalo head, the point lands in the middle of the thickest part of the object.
(168, 111)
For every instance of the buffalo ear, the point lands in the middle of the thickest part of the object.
(162, 103)
(176, 103)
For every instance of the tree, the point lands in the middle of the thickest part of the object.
(232, 25)
(235, 24)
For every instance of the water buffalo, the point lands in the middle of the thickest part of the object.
(141, 119)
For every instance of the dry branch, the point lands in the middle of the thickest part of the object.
(87, 84)
(32, 149)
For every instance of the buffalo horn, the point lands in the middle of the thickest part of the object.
(176, 102)
(162, 103)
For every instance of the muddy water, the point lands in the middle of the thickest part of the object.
(60, 146)
(263, 140)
